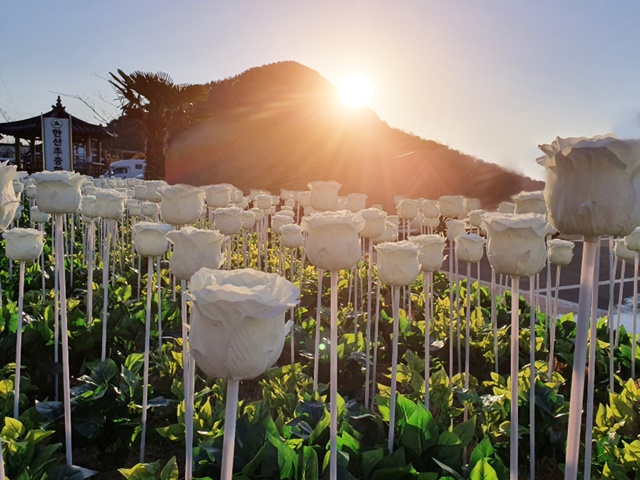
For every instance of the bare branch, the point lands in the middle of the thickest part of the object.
(101, 115)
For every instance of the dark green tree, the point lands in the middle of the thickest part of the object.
(159, 106)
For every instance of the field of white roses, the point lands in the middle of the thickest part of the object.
(180, 332)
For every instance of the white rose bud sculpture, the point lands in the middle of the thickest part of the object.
(516, 247)
(58, 193)
(455, 228)
(560, 253)
(333, 245)
(149, 240)
(324, 195)
(181, 204)
(431, 259)
(237, 332)
(109, 205)
(530, 202)
(356, 202)
(193, 248)
(469, 249)
(591, 189)
(397, 266)
(22, 245)
(374, 226)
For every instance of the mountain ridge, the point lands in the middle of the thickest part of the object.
(281, 125)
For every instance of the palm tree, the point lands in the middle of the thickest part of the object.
(159, 105)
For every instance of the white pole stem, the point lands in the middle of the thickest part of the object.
(105, 286)
(552, 324)
(467, 334)
(66, 380)
(593, 341)
(91, 244)
(494, 319)
(367, 341)
(395, 305)
(515, 367)
(333, 381)
(532, 377)
(231, 411)
(426, 285)
(375, 348)
(159, 288)
(316, 351)
(145, 381)
(16, 384)
(590, 248)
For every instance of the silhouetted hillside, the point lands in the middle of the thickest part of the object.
(281, 125)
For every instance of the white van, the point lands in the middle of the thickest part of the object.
(130, 168)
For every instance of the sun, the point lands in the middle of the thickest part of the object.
(355, 90)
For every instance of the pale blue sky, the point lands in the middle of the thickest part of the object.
(492, 78)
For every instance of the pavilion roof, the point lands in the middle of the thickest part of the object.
(31, 128)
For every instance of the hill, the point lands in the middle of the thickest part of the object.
(281, 125)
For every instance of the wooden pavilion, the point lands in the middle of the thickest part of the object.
(88, 134)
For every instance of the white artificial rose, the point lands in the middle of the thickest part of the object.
(23, 244)
(194, 248)
(332, 242)
(149, 209)
(262, 201)
(228, 220)
(291, 235)
(451, 206)
(475, 217)
(304, 198)
(592, 185)
(237, 322)
(134, 207)
(455, 228)
(389, 234)
(110, 203)
(374, 222)
(407, 208)
(516, 245)
(621, 251)
(181, 204)
(530, 202)
(258, 212)
(560, 252)
(356, 202)
(286, 194)
(430, 208)
(431, 251)
(58, 192)
(279, 220)
(470, 204)
(37, 216)
(324, 195)
(30, 191)
(431, 222)
(152, 192)
(217, 196)
(506, 207)
(248, 219)
(150, 238)
(398, 262)
(469, 247)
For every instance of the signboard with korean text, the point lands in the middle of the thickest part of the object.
(57, 143)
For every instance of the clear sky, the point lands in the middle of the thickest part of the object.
(491, 78)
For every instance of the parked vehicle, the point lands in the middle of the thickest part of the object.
(129, 168)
